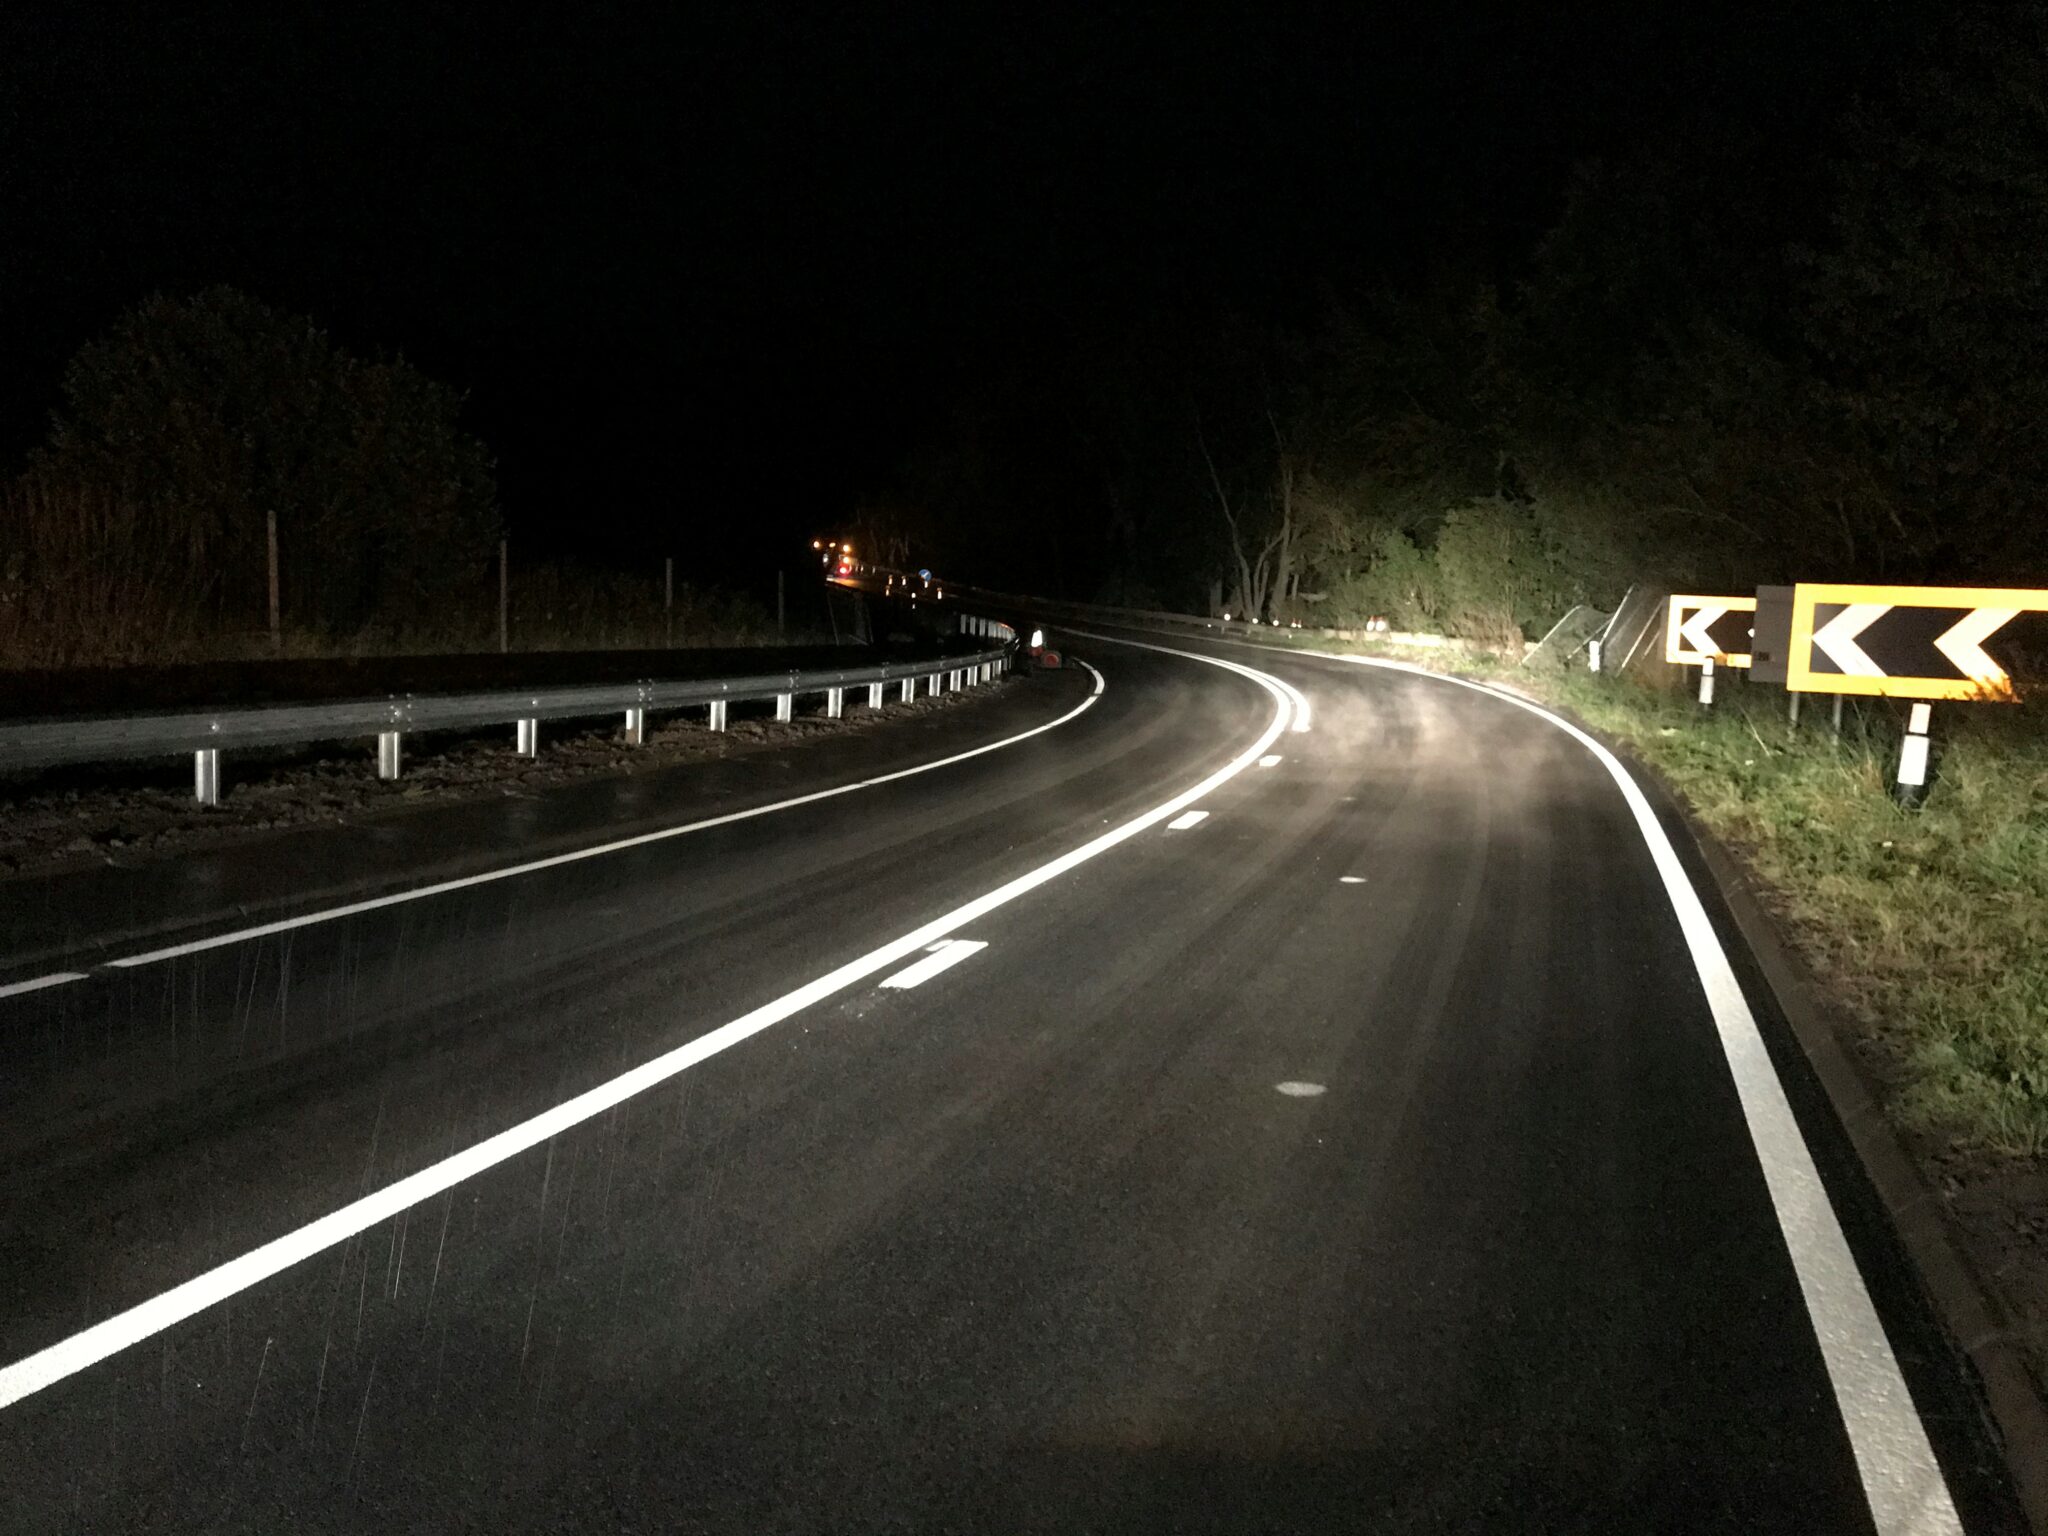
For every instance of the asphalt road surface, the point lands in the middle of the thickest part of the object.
(999, 1147)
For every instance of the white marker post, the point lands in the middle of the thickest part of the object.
(1592, 655)
(1707, 682)
(1912, 786)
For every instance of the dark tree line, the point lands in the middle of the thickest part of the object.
(1710, 371)
(142, 523)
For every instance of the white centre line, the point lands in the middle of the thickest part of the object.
(942, 956)
(1182, 823)
(124, 1330)
(1351, 879)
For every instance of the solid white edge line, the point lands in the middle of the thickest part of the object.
(440, 888)
(1901, 1477)
(1185, 820)
(126, 1329)
(943, 957)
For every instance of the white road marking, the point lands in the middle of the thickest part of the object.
(126, 1329)
(1901, 1479)
(1351, 879)
(37, 983)
(1182, 823)
(441, 888)
(1270, 760)
(1301, 1090)
(942, 956)
(1300, 704)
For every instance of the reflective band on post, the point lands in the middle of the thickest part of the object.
(1913, 762)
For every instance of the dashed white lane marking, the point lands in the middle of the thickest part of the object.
(124, 1330)
(1270, 760)
(395, 898)
(1182, 823)
(37, 983)
(942, 956)
(1351, 879)
(1295, 1090)
(1901, 1478)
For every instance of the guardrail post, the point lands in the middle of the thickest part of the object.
(527, 742)
(717, 721)
(875, 695)
(835, 703)
(206, 775)
(785, 707)
(387, 754)
(908, 691)
(932, 685)
(636, 727)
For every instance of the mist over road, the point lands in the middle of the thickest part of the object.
(1171, 1120)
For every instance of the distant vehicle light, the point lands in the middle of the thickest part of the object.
(1037, 639)
(817, 543)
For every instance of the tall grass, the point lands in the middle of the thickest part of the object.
(82, 584)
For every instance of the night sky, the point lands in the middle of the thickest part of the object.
(709, 275)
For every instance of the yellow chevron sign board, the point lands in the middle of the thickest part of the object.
(1702, 629)
(1915, 642)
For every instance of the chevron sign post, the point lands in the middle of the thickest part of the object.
(1978, 643)
(1698, 630)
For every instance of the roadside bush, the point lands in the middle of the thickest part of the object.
(189, 421)
(1499, 574)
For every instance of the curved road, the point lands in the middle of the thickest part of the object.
(997, 1147)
